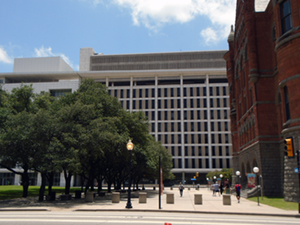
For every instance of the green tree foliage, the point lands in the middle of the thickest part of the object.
(84, 133)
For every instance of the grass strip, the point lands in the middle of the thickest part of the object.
(276, 202)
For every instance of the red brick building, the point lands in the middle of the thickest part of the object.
(263, 70)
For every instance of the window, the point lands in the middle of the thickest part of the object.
(179, 138)
(122, 94)
(213, 163)
(133, 104)
(198, 103)
(186, 151)
(159, 115)
(166, 127)
(178, 92)
(166, 103)
(128, 93)
(206, 151)
(153, 104)
(213, 151)
(191, 92)
(192, 126)
(218, 91)
(220, 163)
(166, 138)
(179, 151)
(166, 115)
(220, 151)
(204, 91)
(166, 92)
(286, 16)
(146, 93)
(185, 103)
(192, 103)
(159, 104)
(153, 92)
(153, 127)
(172, 115)
(207, 163)
(198, 91)
(146, 104)
(186, 163)
(141, 93)
(287, 103)
(178, 126)
(134, 93)
(200, 163)
(192, 115)
(199, 151)
(212, 126)
(178, 103)
(140, 104)
(173, 151)
(172, 139)
(159, 127)
(153, 115)
(178, 115)
(212, 114)
(159, 92)
(179, 163)
(224, 91)
(184, 91)
(199, 139)
(172, 92)
(211, 102)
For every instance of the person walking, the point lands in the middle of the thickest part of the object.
(181, 187)
(238, 188)
(221, 188)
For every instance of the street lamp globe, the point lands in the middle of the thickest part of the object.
(237, 173)
(129, 145)
(221, 175)
(256, 169)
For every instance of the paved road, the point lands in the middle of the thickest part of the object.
(143, 218)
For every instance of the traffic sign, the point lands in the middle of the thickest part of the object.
(193, 179)
(297, 170)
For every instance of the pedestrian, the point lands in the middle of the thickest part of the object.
(221, 188)
(217, 188)
(181, 187)
(238, 188)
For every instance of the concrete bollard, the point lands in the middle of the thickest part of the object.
(89, 197)
(226, 199)
(198, 199)
(115, 197)
(171, 188)
(189, 188)
(143, 197)
(170, 198)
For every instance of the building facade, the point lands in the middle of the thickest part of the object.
(183, 94)
(263, 75)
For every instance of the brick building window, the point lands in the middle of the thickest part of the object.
(286, 16)
(287, 103)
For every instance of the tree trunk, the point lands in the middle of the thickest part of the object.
(68, 177)
(42, 188)
(25, 181)
(50, 180)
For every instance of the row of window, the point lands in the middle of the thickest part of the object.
(192, 138)
(190, 126)
(168, 92)
(199, 150)
(187, 115)
(201, 163)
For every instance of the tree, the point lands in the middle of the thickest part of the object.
(15, 136)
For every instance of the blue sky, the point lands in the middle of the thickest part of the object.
(37, 28)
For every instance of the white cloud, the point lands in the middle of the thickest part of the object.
(4, 56)
(47, 52)
(209, 35)
(153, 14)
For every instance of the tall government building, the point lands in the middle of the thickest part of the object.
(183, 94)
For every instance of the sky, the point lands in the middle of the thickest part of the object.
(42, 28)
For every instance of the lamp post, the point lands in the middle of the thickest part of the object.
(129, 148)
(256, 170)
(238, 173)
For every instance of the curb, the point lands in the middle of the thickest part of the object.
(194, 212)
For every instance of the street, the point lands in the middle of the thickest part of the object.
(145, 218)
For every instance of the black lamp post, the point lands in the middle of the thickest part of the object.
(256, 170)
(129, 148)
(238, 173)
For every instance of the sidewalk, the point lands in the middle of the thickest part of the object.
(211, 204)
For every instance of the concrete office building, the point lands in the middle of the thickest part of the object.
(183, 94)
